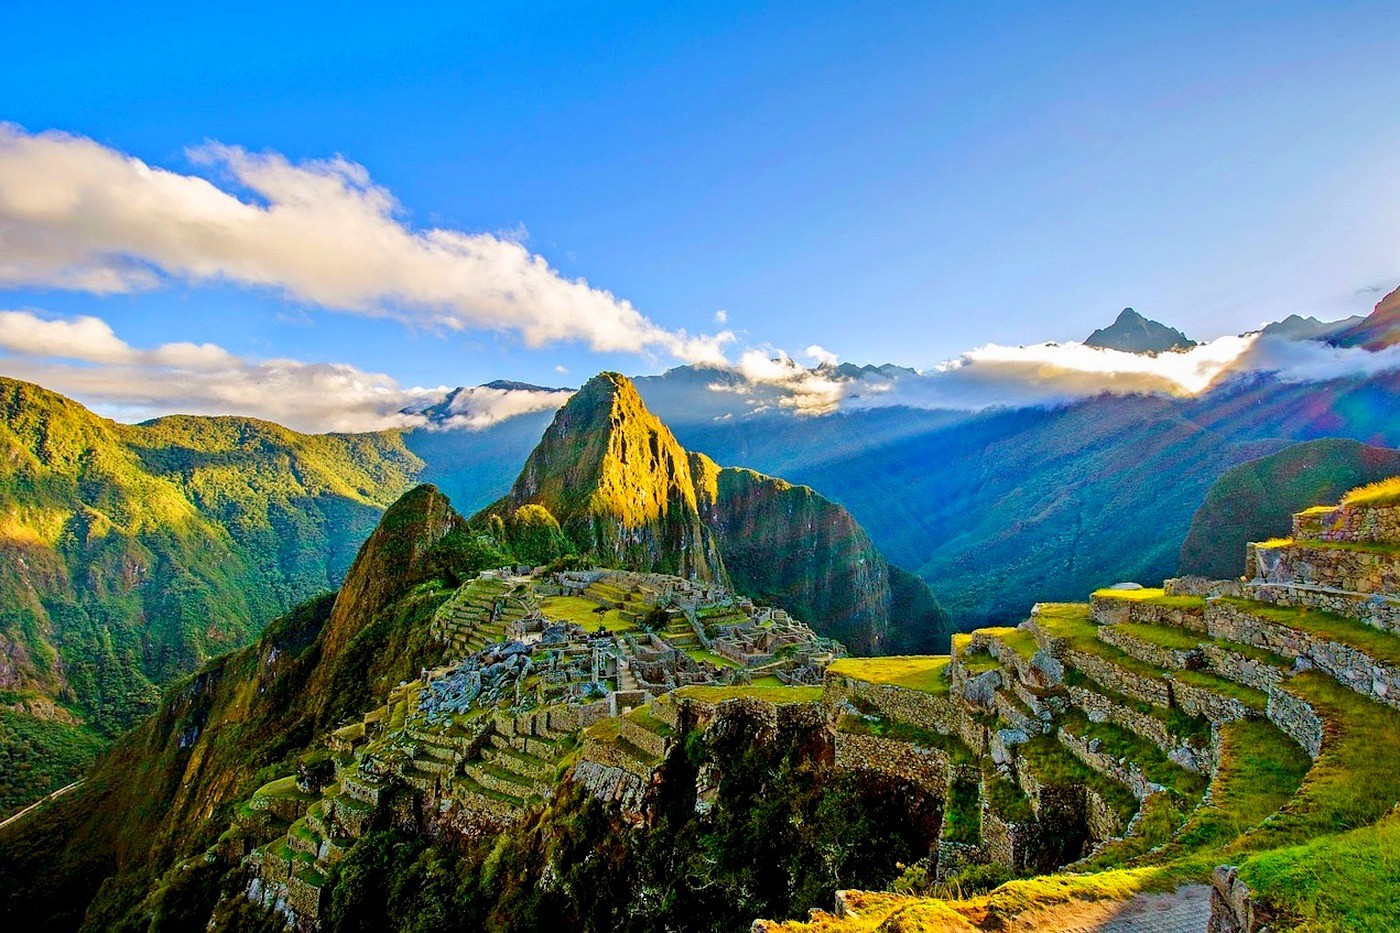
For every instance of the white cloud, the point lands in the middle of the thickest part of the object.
(478, 407)
(82, 357)
(1039, 374)
(721, 316)
(561, 369)
(76, 214)
(805, 391)
(821, 356)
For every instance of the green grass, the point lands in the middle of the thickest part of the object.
(1160, 817)
(1177, 639)
(962, 813)
(582, 611)
(1118, 743)
(1387, 548)
(882, 727)
(1176, 721)
(1374, 495)
(1382, 646)
(1072, 622)
(284, 787)
(978, 662)
(1354, 782)
(1052, 763)
(1260, 770)
(701, 654)
(925, 673)
(1156, 597)
(1345, 882)
(775, 695)
(1163, 636)
(1005, 798)
(1018, 640)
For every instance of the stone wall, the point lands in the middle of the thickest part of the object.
(1339, 568)
(1148, 689)
(1296, 719)
(1376, 610)
(1198, 701)
(1202, 586)
(1125, 773)
(1003, 843)
(1232, 907)
(1179, 658)
(1113, 610)
(1240, 668)
(926, 767)
(1347, 523)
(1373, 679)
(913, 707)
(613, 786)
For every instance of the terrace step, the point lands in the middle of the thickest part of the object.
(1356, 655)
(502, 780)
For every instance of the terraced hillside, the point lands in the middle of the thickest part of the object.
(1244, 734)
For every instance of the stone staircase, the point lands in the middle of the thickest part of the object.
(477, 616)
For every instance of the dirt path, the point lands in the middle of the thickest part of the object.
(39, 803)
(1186, 910)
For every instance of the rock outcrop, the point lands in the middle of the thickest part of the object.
(625, 493)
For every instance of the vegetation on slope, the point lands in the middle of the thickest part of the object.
(608, 480)
(165, 792)
(1255, 501)
(130, 554)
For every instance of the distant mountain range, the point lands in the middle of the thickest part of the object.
(1133, 333)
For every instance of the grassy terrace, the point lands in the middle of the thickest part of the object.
(1018, 640)
(1337, 882)
(1385, 492)
(1156, 597)
(1260, 769)
(1354, 782)
(1071, 622)
(1119, 743)
(1383, 646)
(582, 611)
(1368, 547)
(1178, 639)
(925, 673)
(1177, 722)
(284, 787)
(774, 695)
(884, 728)
(1052, 763)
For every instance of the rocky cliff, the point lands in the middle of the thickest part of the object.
(626, 493)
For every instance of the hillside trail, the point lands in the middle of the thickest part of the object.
(1185, 910)
(39, 803)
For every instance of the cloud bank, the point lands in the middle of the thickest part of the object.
(75, 214)
(995, 376)
(83, 357)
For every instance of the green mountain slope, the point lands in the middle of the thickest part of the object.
(165, 790)
(1256, 500)
(618, 483)
(624, 492)
(130, 554)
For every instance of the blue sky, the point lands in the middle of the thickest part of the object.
(894, 182)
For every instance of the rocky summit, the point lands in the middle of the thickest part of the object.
(1133, 333)
(608, 481)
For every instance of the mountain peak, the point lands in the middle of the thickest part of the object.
(1378, 330)
(1133, 333)
(618, 482)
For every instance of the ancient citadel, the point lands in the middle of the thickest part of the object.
(1124, 737)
